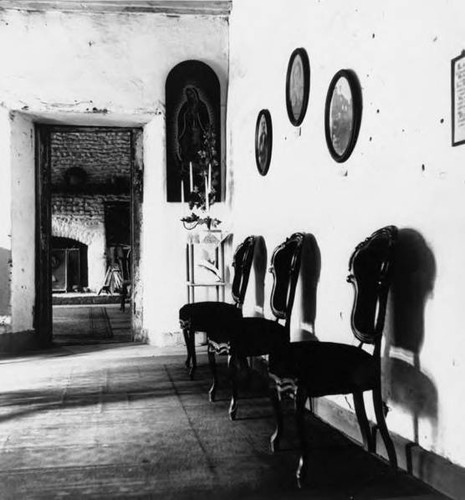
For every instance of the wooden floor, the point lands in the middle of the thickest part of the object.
(122, 421)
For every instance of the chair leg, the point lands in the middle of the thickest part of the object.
(212, 363)
(232, 366)
(275, 397)
(381, 421)
(185, 332)
(193, 354)
(300, 398)
(363, 423)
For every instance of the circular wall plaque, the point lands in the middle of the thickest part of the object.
(297, 86)
(263, 141)
(343, 114)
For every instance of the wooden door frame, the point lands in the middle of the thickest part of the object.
(43, 321)
(43, 268)
(137, 198)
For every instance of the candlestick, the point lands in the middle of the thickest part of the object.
(209, 177)
(207, 201)
(191, 177)
(182, 191)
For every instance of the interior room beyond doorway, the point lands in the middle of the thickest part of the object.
(91, 238)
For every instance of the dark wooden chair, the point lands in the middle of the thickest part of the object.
(216, 318)
(259, 336)
(312, 369)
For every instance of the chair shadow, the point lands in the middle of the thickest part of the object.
(412, 284)
(259, 272)
(309, 277)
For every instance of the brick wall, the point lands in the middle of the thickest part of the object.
(104, 154)
(84, 215)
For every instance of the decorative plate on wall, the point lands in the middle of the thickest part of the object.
(297, 86)
(263, 141)
(343, 114)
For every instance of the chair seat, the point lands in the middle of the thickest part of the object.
(326, 368)
(258, 336)
(214, 318)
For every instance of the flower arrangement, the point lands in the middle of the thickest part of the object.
(193, 220)
(203, 179)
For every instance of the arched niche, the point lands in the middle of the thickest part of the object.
(193, 105)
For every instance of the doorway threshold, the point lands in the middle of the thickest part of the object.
(69, 299)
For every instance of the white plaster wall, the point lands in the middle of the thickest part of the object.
(163, 243)
(22, 222)
(17, 211)
(110, 69)
(401, 52)
(101, 63)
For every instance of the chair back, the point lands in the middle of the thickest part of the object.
(370, 269)
(242, 263)
(285, 267)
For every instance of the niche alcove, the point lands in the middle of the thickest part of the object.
(193, 116)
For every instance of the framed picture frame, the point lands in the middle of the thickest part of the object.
(458, 99)
(263, 141)
(297, 86)
(193, 116)
(343, 114)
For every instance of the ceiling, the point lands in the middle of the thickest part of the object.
(211, 7)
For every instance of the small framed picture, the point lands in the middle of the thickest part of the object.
(458, 100)
(297, 86)
(343, 114)
(263, 141)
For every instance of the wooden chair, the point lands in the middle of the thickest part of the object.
(312, 369)
(259, 336)
(216, 318)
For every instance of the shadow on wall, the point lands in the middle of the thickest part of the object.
(310, 269)
(259, 272)
(5, 262)
(413, 282)
(228, 253)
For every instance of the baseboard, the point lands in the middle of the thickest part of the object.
(430, 468)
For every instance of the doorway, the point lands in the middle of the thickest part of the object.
(89, 200)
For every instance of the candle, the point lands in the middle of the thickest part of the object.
(182, 191)
(191, 177)
(209, 177)
(207, 201)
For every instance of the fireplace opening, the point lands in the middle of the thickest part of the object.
(69, 265)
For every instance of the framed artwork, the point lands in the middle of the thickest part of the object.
(263, 141)
(343, 114)
(458, 100)
(193, 110)
(297, 86)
